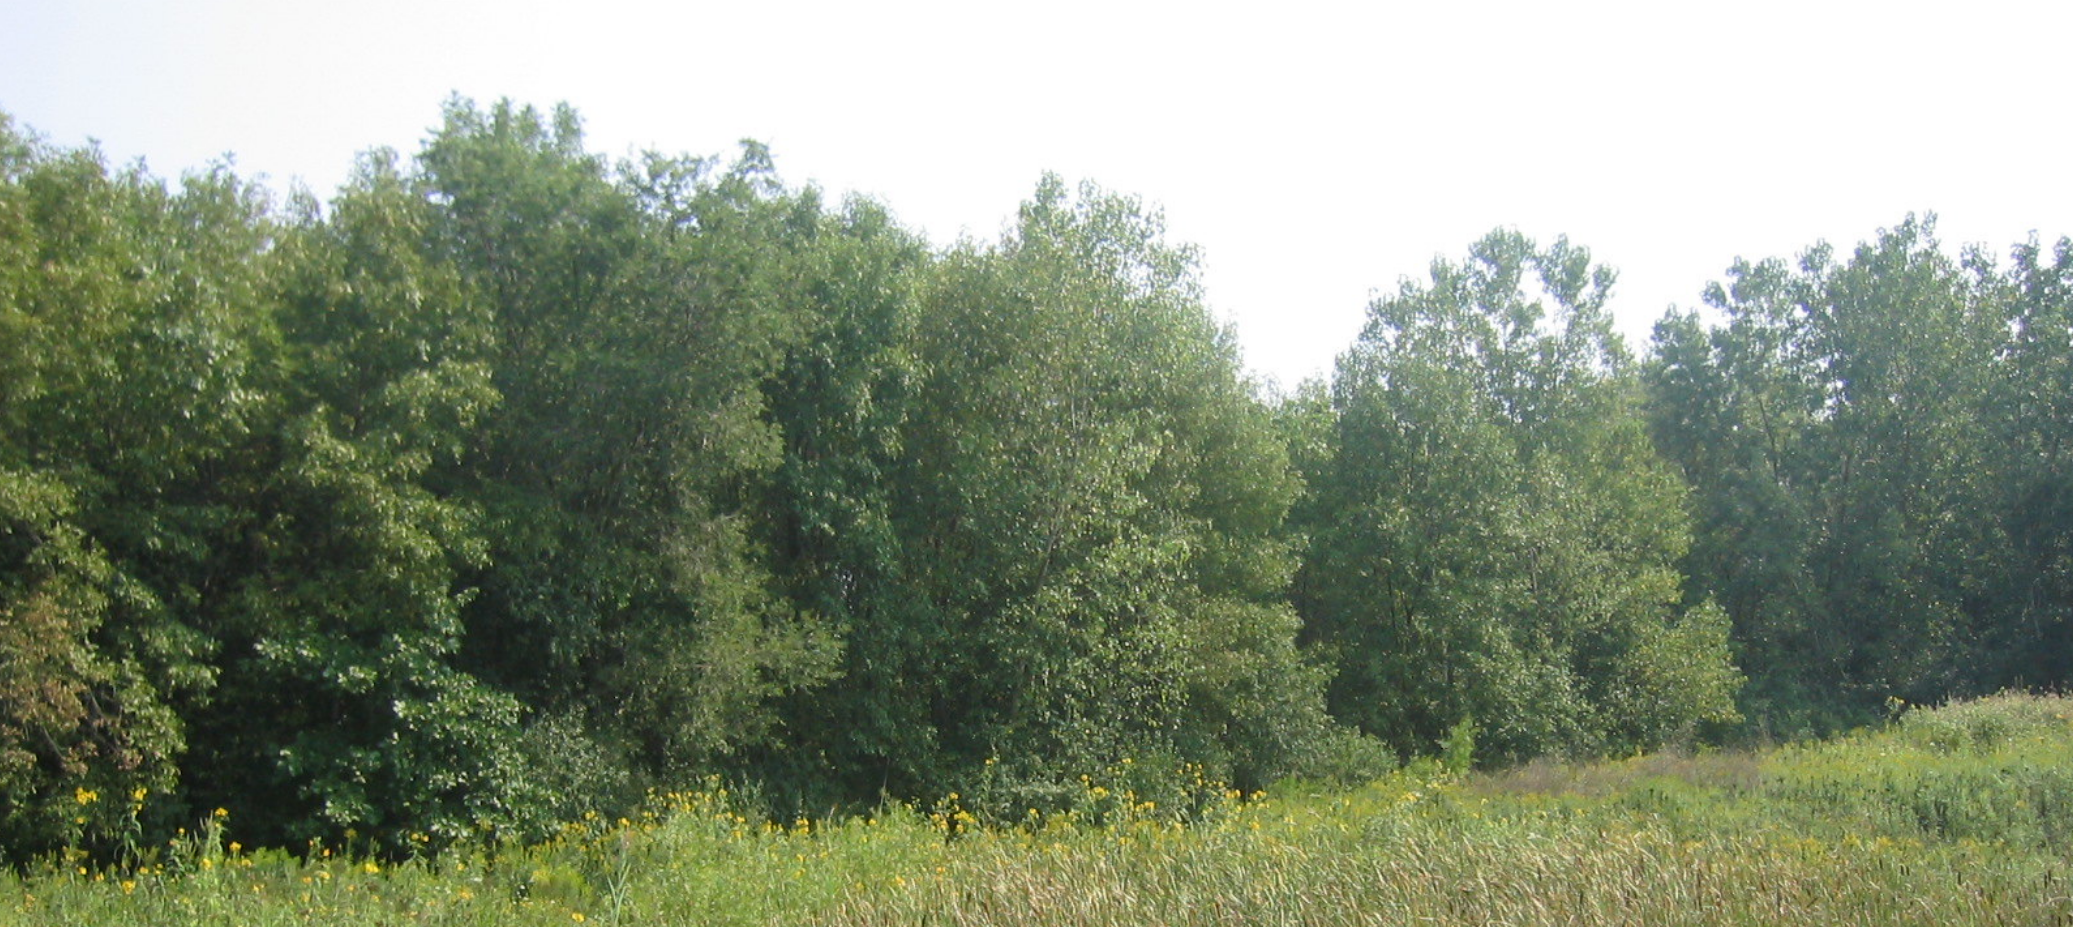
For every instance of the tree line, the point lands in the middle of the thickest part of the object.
(511, 482)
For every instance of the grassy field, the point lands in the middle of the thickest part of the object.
(1949, 816)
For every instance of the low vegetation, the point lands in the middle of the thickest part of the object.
(1955, 815)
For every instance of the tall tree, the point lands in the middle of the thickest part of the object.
(132, 325)
(636, 317)
(842, 401)
(341, 705)
(2037, 431)
(1492, 539)
(1838, 428)
(1076, 559)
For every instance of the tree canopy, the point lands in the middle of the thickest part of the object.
(1493, 538)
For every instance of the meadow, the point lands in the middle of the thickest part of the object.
(1961, 814)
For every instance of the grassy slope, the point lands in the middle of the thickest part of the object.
(1959, 815)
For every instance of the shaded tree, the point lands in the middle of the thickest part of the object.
(1492, 539)
(1838, 428)
(132, 322)
(1072, 556)
(636, 317)
(2037, 431)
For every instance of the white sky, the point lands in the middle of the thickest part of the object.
(1315, 151)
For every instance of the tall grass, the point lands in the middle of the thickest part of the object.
(1956, 815)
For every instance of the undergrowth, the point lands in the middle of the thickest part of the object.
(1955, 815)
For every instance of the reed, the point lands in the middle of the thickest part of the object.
(1957, 815)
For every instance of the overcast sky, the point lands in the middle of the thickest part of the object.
(1315, 152)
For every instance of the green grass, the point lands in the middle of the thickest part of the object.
(1956, 815)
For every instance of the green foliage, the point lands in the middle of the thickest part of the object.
(842, 400)
(317, 510)
(1874, 828)
(1985, 771)
(636, 320)
(1042, 500)
(339, 705)
(1999, 722)
(510, 482)
(2034, 642)
(1853, 438)
(128, 385)
(1119, 490)
(1458, 750)
(1491, 534)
